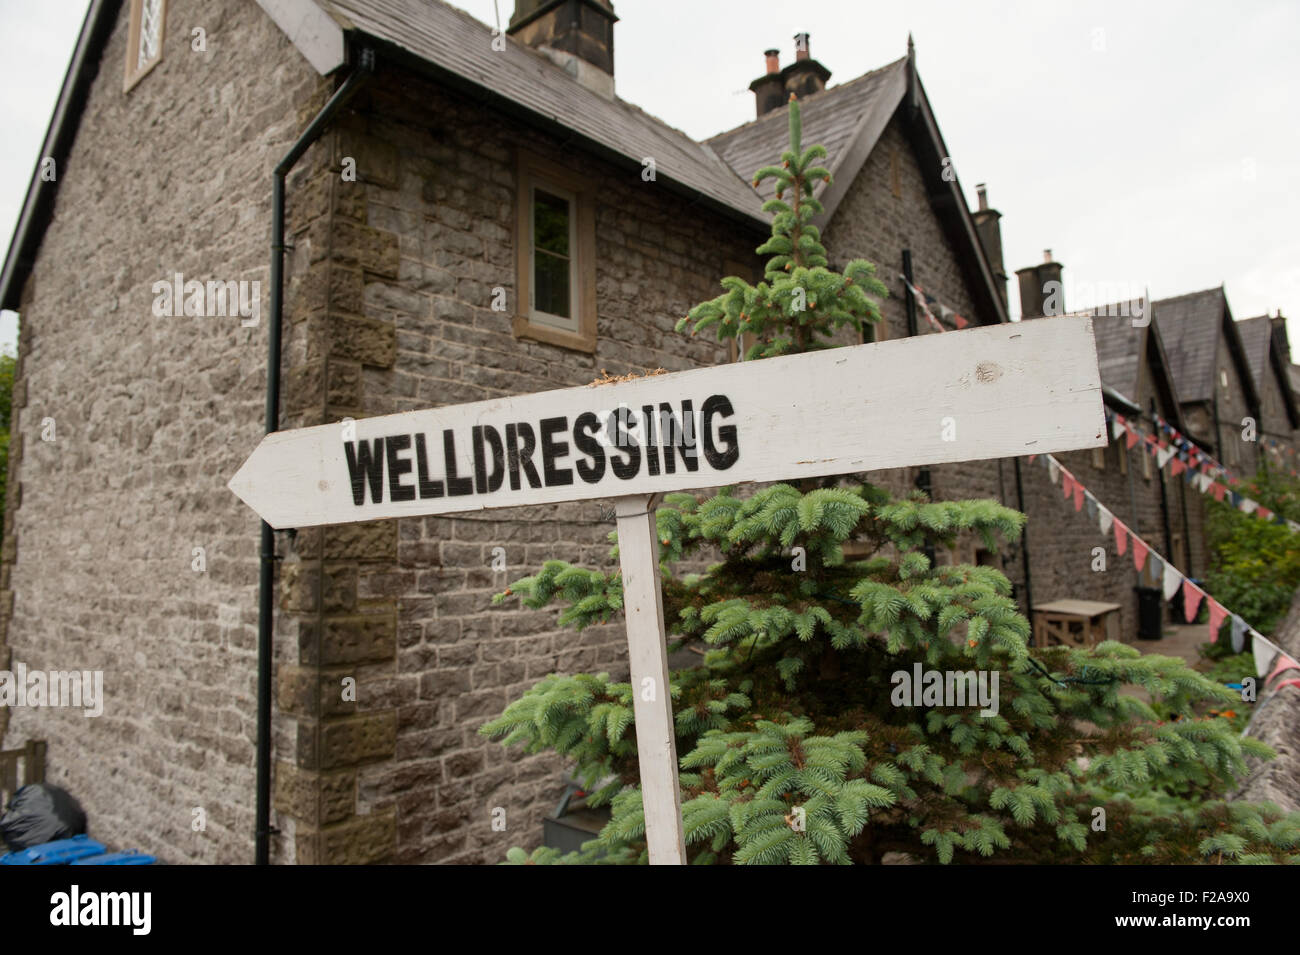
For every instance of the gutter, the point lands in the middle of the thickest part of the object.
(266, 581)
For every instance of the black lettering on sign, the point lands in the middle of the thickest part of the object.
(675, 438)
(483, 482)
(553, 450)
(365, 463)
(428, 488)
(397, 491)
(518, 457)
(585, 428)
(631, 462)
(456, 486)
(651, 451)
(721, 406)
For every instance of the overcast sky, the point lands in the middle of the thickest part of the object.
(1149, 145)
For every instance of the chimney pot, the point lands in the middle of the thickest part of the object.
(773, 61)
(982, 191)
(801, 46)
(1047, 255)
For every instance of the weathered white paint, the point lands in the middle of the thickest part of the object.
(647, 646)
(1025, 388)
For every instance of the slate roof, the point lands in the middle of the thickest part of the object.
(1191, 326)
(1119, 346)
(456, 42)
(833, 117)
(1256, 336)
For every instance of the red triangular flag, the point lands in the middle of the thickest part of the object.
(959, 321)
(1217, 612)
(1192, 595)
(1177, 466)
(1139, 553)
(1031, 458)
(1265, 513)
(1067, 482)
(1121, 536)
(1078, 496)
(1132, 437)
(1219, 490)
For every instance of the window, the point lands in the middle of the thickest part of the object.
(1121, 449)
(1146, 464)
(1099, 458)
(555, 239)
(144, 39)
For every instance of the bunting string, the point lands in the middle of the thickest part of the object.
(1272, 664)
(1181, 457)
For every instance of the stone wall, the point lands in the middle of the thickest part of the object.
(1062, 542)
(419, 243)
(127, 427)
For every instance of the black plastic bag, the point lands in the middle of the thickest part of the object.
(41, 813)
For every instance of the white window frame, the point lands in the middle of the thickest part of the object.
(135, 70)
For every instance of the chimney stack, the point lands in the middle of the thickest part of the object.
(1277, 325)
(769, 90)
(990, 232)
(577, 35)
(1041, 291)
(803, 77)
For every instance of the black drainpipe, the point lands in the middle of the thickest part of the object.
(1024, 539)
(266, 582)
(1164, 499)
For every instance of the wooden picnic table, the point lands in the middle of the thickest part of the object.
(1075, 623)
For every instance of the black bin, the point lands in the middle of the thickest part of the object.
(1150, 625)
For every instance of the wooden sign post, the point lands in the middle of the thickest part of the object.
(1026, 388)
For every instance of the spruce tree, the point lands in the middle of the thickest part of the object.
(795, 741)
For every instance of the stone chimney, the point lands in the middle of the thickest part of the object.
(577, 35)
(803, 77)
(990, 233)
(769, 89)
(1041, 291)
(1277, 325)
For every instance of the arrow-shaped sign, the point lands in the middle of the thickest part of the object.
(1032, 387)
(1025, 388)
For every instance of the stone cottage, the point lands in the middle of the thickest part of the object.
(1264, 339)
(1137, 384)
(1215, 381)
(466, 215)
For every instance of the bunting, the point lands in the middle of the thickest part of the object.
(1174, 450)
(1182, 457)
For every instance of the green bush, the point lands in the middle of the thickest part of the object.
(1255, 564)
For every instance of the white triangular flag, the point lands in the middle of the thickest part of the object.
(1248, 506)
(1163, 455)
(1116, 429)
(1105, 519)
(1265, 652)
(1173, 580)
(1239, 628)
(1053, 470)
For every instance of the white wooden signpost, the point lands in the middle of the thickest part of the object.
(1007, 390)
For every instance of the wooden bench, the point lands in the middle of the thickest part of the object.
(1075, 623)
(33, 759)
